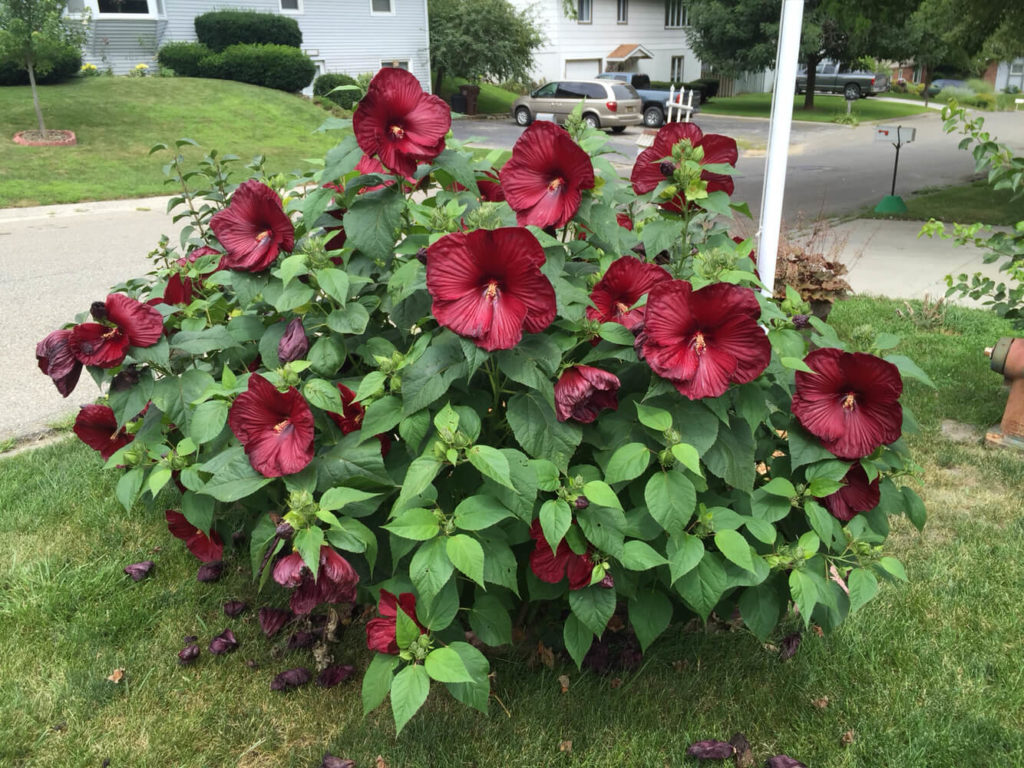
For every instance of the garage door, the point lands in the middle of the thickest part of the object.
(582, 69)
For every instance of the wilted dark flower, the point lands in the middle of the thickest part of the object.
(856, 495)
(284, 530)
(801, 321)
(711, 750)
(331, 676)
(335, 581)
(783, 761)
(96, 426)
(330, 761)
(126, 378)
(275, 428)
(188, 654)
(253, 229)
(789, 646)
(272, 619)
(299, 640)
(209, 572)
(293, 344)
(552, 567)
(225, 642)
(206, 548)
(234, 608)
(57, 360)
(291, 678)
(139, 571)
(583, 391)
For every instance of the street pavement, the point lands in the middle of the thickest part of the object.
(56, 260)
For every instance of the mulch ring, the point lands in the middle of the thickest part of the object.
(49, 139)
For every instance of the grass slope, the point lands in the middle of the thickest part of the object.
(118, 119)
(964, 204)
(491, 101)
(927, 676)
(825, 107)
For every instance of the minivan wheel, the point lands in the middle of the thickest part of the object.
(653, 117)
(851, 91)
(618, 129)
(523, 116)
(592, 121)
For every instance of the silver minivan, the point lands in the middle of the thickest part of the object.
(606, 103)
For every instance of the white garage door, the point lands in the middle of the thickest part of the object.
(582, 69)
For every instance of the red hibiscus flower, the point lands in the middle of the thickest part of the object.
(551, 567)
(56, 359)
(180, 288)
(128, 323)
(850, 402)
(335, 581)
(487, 286)
(275, 428)
(96, 426)
(337, 241)
(622, 286)
(623, 220)
(704, 340)
(582, 391)
(209, 549)
(651, 168)
(856, 495)
(380, 632)
(545, 175)
(351, 417)
(253, 229)
(490, 187)
(400, 123)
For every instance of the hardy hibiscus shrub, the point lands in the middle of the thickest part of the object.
(414, 381)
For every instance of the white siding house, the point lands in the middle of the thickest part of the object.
(651, 32)
(350, 36)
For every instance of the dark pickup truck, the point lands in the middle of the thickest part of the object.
(832, 77)
(653, 101)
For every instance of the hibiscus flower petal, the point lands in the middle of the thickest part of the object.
(275, 428)
(99, 345)
(56, 359)
(253, 229)
(207, 548)
(96, 426)
(142, 324)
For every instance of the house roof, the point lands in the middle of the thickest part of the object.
(628, 51)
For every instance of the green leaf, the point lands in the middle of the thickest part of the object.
(539, 432)
(657, 419)
(415, 523)
(489, 619)
(467, 555)
(350, 535)
(377, 681)
(578, 638)
(478, 512)
(446, 666)
(208, 421)
(732, 456)
(409, 690)
(685, 552)
(334, 282)
(640, 556)
(804, 448)
(371, 384)
(430, 568)
(671, 499)
(129, 485)
(627, 463)
(307, 543)
(796, 364)
(418, 477)
(446, 422)
(688, 456)
(337, 498)
(349, 319)
(372, 222)
(736, 549)
(661, 235)
(548, 478)
(431, 375)
(323, 395)
(820, 487)
(438, 613)
(477, 693)
(158, 479)
(650, 613)
(893, 567)
(593, 606)
(381, 416)
(761, 530)
(616, 333)
(779, 486)
(910, 369)
(826, 527)
(760, 607)
(198, 343)
(804, 590)
(555, 519)
(490, 462)
(326, 355)
(914, 507)
(600, 493)
(406, 630)
(198, 510)
(235, 480)
(863, 587)
(702, 587)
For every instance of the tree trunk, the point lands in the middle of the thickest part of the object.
(812, 66)
(35, 97)
(438, 77)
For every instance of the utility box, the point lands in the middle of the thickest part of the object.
(895, 134)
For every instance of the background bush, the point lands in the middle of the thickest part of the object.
(183, 58)
(221, 29)
(962, 95)
(324, 84)
(980, 86)
(65, 66)
(272, 66)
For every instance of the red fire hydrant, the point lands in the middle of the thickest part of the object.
(1007, 358)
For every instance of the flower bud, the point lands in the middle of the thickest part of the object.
(421, 256)
(225, 642)
(284, 530)
(581, 502)
(294, 344)
(801, 321)
(666, 168)
(139, 571)
(98, 310)
(188, 654)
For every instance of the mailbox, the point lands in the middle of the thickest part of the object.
(895, 134)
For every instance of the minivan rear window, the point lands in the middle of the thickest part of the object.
(624, 92)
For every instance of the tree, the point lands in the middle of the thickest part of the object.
(481, 38)
(33, 33)
(738, 36)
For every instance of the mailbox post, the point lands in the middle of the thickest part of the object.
(896, 135)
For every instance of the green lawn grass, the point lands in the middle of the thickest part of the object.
(117, 120)
(491, 101)
(825, 107)
(927, 676)
(964, 204)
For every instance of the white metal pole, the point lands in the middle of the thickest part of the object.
(786, 57)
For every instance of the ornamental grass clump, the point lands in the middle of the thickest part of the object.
(469, 397)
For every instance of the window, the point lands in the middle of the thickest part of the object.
(583, 11)
(291, 6)
(382, 8)
(678, 68)
(570, 90)
(123, 6)
(396, 64)
(151, 8)
(545, 91)
(676, 14)
(624, 91)
(622, 12)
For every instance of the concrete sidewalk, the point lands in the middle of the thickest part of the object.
(56, 260)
